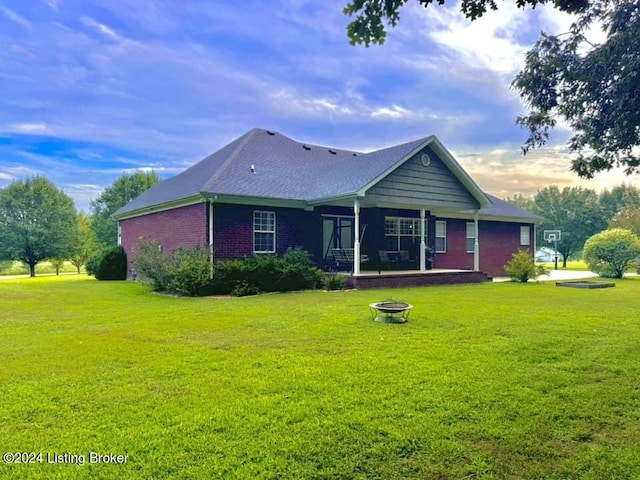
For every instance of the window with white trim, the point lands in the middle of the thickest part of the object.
(525, 235)
(471, 237)
(441, 236)
(401, 233)
(264, 232)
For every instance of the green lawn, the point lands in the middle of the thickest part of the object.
(489, 381)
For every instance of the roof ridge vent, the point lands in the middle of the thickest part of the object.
(306, 147)
(331, 151)
(270, 132)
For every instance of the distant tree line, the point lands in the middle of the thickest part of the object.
(580, 213)
(39, 221)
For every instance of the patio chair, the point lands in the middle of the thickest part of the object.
(405, 259)
(384, 257)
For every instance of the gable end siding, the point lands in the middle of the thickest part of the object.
(413, 183)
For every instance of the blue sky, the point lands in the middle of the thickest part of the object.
(92, 89)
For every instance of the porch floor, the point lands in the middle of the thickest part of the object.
(413, 278)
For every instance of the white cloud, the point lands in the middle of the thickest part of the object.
(29, 128)
(100, 27)
(487, 43)
(14, 17)
(395, 112)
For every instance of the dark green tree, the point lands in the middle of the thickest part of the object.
(595, 89)
(618, 199)
(519, 200)
(575, 211)
(372, 15)
(122, 191)
(37, 221)
(597, 92)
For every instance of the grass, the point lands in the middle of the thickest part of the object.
(490, 381)
(571, 265)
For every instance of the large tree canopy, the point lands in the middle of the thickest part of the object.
(575, 211)
(37, 221)
(595, 89)
(597, 92)
(122, 191)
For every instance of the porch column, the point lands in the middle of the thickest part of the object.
(356, 237)
(423, 244)
(476, 245)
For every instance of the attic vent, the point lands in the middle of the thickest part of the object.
(306, 147)
(271, 133)
(333, 152)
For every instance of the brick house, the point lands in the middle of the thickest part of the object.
(409, 206)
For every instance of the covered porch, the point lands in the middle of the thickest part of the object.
(413, 278)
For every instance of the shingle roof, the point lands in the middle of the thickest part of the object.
(282, 168)
(268, 165)
(502, 209)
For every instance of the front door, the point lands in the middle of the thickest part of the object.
(337, 232)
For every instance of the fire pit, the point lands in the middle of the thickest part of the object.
(390, 311)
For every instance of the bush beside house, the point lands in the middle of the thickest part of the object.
(188, 272)
(612, 252)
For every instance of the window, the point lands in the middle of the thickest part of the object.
(525, 235)
(441, 236)
(264, 232)
(401, 234)
(471, 237)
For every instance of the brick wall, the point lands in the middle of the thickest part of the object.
(184, 227)
(498, 240)
(233, 230)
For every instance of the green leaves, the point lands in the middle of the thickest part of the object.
(123, 190)
(371, 15)
(37, 221)
(612, 252)
(597, 91)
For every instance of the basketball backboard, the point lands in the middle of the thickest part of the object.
(552, 235)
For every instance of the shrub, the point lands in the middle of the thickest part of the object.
(109, 264)
(612, 252)
(244, 288)
(190, 270)
(522, 267)
(267, 273)
(334, 281)
(152, 265)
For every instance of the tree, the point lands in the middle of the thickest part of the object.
(371, 15)
(618, 199)
(37, 221)
(121, 192)
(519, 200)
(595, 89)
(83, 245)
(612, 252)
(574, 211)
(628, 218)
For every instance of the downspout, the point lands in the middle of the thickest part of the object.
(476, 245)
(423, 245)
(356, 242)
